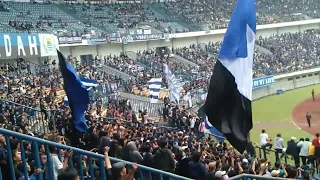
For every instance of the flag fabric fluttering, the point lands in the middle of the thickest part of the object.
(228, 103)
(77, 93)
(209, 129)
(88, 83)
(174, 91)
(154, 87)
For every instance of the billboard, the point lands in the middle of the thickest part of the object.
(14, 45)
(70, 40)
(262, 81)
(19, 45)
(48, 44)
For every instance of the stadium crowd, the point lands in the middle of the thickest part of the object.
(98, 19)
(184, 150)
(117, 131)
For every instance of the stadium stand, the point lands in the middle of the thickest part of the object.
(165, 140)
(99, 19)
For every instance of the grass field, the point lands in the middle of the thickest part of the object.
(277, 109)
(273, 113)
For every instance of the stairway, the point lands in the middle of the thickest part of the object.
(182, 60)
(114, 72)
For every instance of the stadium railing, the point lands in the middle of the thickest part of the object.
(268, 151)
(253, 177)
(35, 117)
(78, 154)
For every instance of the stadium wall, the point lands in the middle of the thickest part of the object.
(290, 81)
(184, 39)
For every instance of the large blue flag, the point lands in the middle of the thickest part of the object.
(88, 83)
(228, 103)
(76, 91)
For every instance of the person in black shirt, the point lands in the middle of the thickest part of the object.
(312, 93)
(308, 117)
(43, 109)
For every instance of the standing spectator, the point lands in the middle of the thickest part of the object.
(133, 153)
(304, 150)
(265, 142)
(201, 129)
(278, 147)
(147, 156)
(43, 109)
(197, 169)
(316, 144)
(293, 150)
(192, 123)
(311, 159)
(183, 164)
(56, 163)
(163, 158)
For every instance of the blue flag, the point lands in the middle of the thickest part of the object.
(228, 103)
(77, 93)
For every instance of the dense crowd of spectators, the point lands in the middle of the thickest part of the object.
(170, 17)
(116, 130)
(298, 51)
(127, 135)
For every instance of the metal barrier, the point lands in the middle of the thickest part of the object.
(253, 177)
(33, 117)
(78, 157)
(154, 109)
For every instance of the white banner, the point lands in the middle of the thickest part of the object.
(48, 44)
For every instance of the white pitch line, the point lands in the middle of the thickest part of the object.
(294, 122)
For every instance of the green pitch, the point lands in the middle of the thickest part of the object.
(273, 113)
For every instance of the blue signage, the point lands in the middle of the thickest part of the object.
(262, 81)
(19, 45)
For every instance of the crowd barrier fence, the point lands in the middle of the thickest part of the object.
(36, 119)
(78, 156)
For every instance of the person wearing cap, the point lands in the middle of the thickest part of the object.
(293, 150)
(221, 175)
(281, 168)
